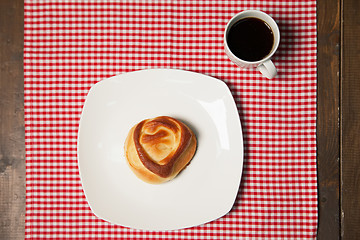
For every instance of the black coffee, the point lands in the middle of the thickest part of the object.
(250, 39)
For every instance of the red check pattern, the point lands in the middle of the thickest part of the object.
(70, 45)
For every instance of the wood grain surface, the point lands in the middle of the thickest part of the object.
(328, 128)
(12, 143)
(338, 120)
(350, 120)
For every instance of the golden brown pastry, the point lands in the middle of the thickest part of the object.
(158, 149)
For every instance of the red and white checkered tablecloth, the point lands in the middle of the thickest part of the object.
(70, 45)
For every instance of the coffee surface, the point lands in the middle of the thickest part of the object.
(250, 39)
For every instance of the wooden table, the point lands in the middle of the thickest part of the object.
(338, 122)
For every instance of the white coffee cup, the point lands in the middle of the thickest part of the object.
(265, 65)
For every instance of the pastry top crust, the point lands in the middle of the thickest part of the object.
(160, 146)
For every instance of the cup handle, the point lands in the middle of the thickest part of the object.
(268, 69)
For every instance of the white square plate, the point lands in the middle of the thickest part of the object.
(204, 191)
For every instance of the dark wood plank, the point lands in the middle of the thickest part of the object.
(328, 129)
(350, 120)
(12, 143)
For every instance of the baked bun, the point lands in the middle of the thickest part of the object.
(158, 149)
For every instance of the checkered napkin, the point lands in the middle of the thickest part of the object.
(70, 45)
